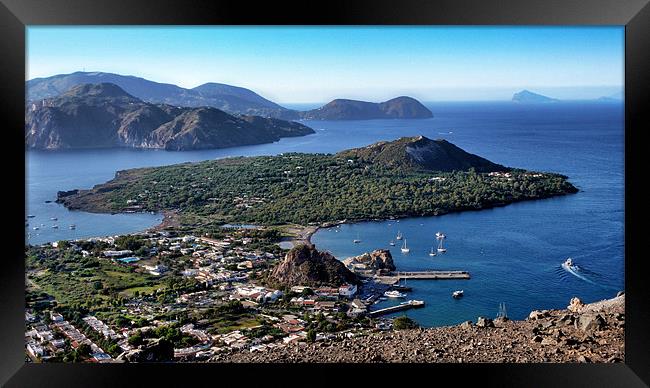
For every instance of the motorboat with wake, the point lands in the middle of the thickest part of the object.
(569, 265)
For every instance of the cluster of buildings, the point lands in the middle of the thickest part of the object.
(223, 266)
(46, 341)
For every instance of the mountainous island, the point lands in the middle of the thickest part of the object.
(232, 99)
(396, 108)
(104, 115)
(529, 97)
(413, 176)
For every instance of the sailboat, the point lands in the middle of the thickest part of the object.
(441, 238)
(357, 240)
(432, 252)
(404, 248)
(399, 235)
(392, 243)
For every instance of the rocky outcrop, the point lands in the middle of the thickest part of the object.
(377, 260)
(105, 116)
(596, 335)
(305, 265)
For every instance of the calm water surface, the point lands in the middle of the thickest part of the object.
(513, 253)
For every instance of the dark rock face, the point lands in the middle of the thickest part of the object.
(590, 322)
(422, 153)
(304, 265)
(342, 109)
(61, 194)
(104, 116)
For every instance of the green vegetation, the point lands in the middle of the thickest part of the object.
(305, 188)
(404, 322)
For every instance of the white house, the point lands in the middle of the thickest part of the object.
(348, 290)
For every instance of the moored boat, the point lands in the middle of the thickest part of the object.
(394, 294)
(404, 248)
(457, 294)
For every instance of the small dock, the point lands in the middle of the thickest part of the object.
(422, 275)
(400, 307)
(432, 275)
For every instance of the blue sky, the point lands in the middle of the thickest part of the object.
(317, 64)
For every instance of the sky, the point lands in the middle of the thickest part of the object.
(317, 64)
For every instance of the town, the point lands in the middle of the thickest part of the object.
(163, 296)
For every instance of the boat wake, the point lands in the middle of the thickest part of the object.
(580, 273)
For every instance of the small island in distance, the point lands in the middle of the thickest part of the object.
(526, 96)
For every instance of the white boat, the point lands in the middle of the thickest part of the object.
(457, 294)
(569, 265)
(399, 235)
(392, 243)
(432, 252)
(36, 228)
(357, 240)
(441, 238)
(394, 294)
(55, 226)
(73, 226)
(54, 219)
(405, 249)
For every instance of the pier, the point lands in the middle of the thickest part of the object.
(432, 275)
(421, 275)
(400, 307)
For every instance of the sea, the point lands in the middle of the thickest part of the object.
(513, 253)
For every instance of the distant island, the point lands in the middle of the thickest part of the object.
(413, 176)
(231, 99)
(104, 116)
(526, 96)
(397, 108)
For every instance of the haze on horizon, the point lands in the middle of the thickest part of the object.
(317, 64)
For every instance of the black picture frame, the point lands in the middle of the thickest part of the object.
(15, 15)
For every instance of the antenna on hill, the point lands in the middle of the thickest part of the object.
(502, 311)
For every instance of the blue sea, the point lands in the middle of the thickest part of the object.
(513, 253)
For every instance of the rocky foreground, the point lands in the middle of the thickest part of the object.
(581, 333)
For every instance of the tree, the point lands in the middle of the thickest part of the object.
(404, 322)
(136, 339)
(311, 335)
(83, 350)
